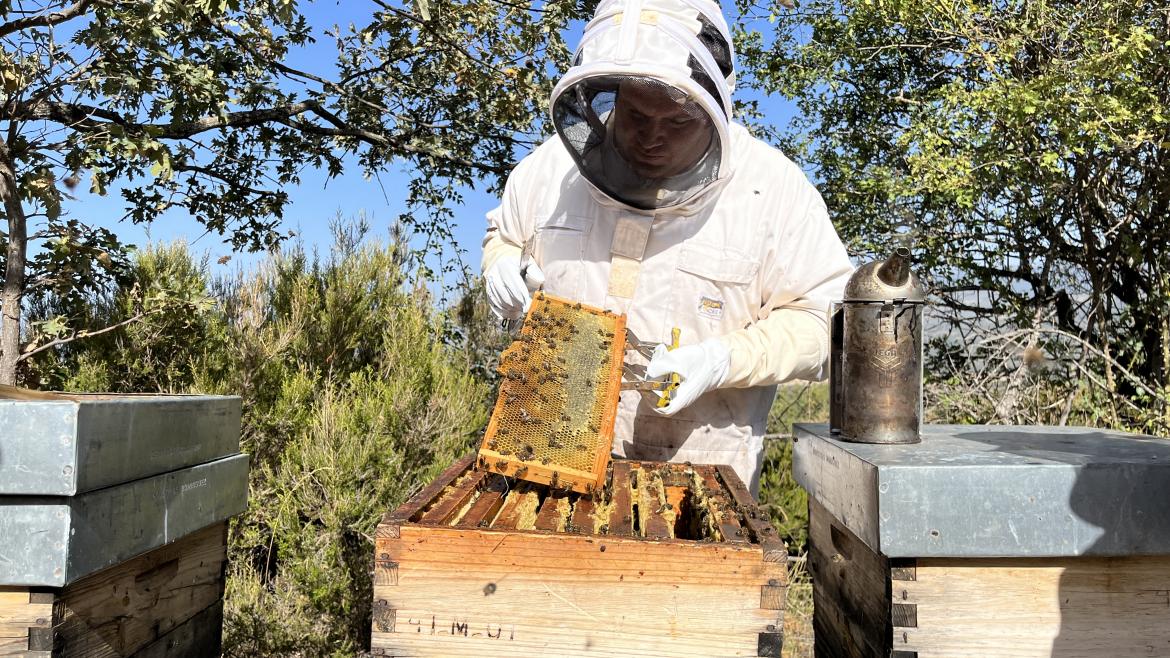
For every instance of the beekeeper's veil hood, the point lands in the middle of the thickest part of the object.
(644, 110)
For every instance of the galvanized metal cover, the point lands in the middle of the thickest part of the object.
(69, 446)
(55, 541)
(995, 491)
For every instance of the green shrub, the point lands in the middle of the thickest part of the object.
(354, 393)
(780, 496)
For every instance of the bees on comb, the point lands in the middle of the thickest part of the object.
(549, 412)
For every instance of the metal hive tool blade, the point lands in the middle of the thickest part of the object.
(553, 419)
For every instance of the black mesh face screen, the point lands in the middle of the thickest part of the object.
(702, 78)
(718, 47)
(640, 141)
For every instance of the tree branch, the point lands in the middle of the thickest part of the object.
(344, 130)
(210, 173)
(87, 334)
(45, 20)
(80, 115)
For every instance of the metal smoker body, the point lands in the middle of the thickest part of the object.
(875, 373)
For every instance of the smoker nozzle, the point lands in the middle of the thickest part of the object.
(895, 272)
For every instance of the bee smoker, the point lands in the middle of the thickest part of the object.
(875, 370)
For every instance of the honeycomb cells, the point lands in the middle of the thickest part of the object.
(559, 389)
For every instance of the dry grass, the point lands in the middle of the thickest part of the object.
(798, 611)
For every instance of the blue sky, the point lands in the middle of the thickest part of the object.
(318, 199)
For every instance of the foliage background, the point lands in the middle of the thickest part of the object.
(356, 392)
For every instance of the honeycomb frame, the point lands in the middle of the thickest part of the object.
(553, 419)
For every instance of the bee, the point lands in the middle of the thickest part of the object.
(502, 431)
(521, 472)
(491, 445)
(582, 447)
(604, 529)
(577, 306)
(552, 483)
(546, 461)
(561, 360)
(505, 452)
(593, 427)
(502, 466)
(554, 444)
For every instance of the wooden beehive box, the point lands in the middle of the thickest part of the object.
(113, 517)
(989, 541)
(168, 602)
(667, 560)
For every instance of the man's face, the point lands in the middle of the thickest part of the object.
(659, 136)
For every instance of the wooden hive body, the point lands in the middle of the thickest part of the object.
(164, 603)
(989, 541)
(669, 560)
(867, 604)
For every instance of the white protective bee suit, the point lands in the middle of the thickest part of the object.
(738, 249)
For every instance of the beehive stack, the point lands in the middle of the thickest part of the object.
(113, 531)
(989, 540)
(553, 420)
(664, 560)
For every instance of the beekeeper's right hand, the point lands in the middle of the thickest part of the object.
(510, 286)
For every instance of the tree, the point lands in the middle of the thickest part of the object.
(192, 105)
(1029, 142)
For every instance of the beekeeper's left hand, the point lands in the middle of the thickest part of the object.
(701, 367)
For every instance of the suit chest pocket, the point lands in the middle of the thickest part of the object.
(713, 287)
(558, 247)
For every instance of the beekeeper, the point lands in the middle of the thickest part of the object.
(652, 202)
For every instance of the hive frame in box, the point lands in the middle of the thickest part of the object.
(477, 566)
(518, 393)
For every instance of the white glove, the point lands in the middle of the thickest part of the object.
(509, 286)
(702, 367)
